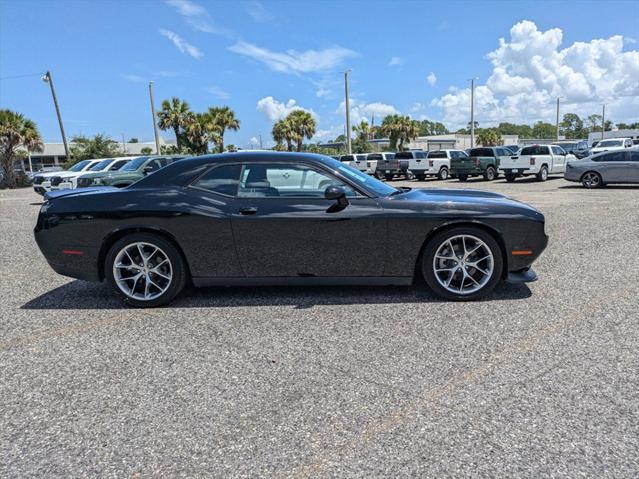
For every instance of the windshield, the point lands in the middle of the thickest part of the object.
(101, 165)
(78, 166)
(134, 165)
(611, 143)
(360, 178)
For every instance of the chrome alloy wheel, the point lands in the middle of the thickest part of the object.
(591, 180)
(142, 271)
(463, 264)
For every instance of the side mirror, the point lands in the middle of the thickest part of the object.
(337, 194)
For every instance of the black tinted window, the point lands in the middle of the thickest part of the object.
(634, 156)
(223, 180)
(437, 154)
(616, 156)
(375, 156)
(118, 164)
(481, 152)
(347, 158)
(404, 155)
(534, 150)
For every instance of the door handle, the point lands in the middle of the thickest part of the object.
(248, 211)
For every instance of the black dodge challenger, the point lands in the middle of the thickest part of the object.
(285, 218)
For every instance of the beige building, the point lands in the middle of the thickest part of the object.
(454, 141)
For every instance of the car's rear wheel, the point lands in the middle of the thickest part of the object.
(462, 178)
(591, 179)
(145, 270)
(443, 173)
(420, 177)
(543, 174)
(462, 263)
(510, 178)
(379, 175)
(490, 174)
(388, 177)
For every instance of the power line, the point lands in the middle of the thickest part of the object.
(22, 76)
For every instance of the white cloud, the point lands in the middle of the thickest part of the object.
(293, 61)
(276, 110)
(197, 17)
(182, 44)
(133, 78)
(530, 70)
(322, 92)
(258, 13)
(365, 111)
(394, 61)
(431, 79)
(219, 93)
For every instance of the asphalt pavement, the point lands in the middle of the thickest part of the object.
(540, 380)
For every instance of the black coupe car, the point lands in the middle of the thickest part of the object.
(285, 218)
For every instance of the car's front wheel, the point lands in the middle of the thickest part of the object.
(462, 263)
(145, 270)
(591, 179)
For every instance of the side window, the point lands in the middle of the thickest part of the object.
(277, 180)
(616, 156)
(117, 165)
(223, 180)
(634, 156)
(557, 150)
(153, 166)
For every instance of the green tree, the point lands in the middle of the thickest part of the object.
(283, 132)
(573, 127)
(146, 151)
(16, 131)
(363, 134)
(427, 127)
(523, 131)
(222, 119)
(628, 126)
(489, 137)
(543, 130)
(175, 115)
(198, 133)
(594, 122)
(87, 148)
(303, 125)
(133, 140)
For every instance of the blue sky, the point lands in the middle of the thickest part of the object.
(265, 58)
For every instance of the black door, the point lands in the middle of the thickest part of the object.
(285, 227)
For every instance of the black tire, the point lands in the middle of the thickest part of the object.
(379, 175)
(443, 173)
(490, 174)
(179, 270)
(409, 176)
(543, 173)
(510, 178)
(434, 243)
(591, 180)
(420, 177)
(462, 178)
(388, 177)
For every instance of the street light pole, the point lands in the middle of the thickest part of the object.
(348, 118)
(557, 118)
(48, 79)
(472, 113)
(155, 125)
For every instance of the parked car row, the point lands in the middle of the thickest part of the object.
(118, 172)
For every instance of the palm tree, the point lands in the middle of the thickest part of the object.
(223, 118)
(199, 132)
(175, 115)
(407, 130)
(303, 125)
(283, 132)
(16, 131)
(363, 133)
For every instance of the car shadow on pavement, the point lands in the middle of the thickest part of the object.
(578, 186)
(83, 295)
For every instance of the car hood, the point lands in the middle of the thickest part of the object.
(51, 195)
(467, 200)
(49, 174)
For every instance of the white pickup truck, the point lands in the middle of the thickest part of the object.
(439, 163)
(357, 161)
(538, 160)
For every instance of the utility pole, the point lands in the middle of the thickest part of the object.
(48, 79)
(155, 125)
(557, 119)
(123, 145)
(348, 118)
(603, 120)
(472, 113)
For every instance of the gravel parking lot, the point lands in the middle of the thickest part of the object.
(541, 380)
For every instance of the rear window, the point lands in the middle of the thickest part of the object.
(437, 154)
(347, 158)
(375, 156)
(481, 152)
(534, 150)
(404, 155)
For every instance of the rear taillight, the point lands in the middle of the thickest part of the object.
(532, 160)
(478, 162)
(431, 163)
(398, 164)
(368, 164)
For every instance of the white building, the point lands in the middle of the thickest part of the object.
(454, 141)
(596, 135)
